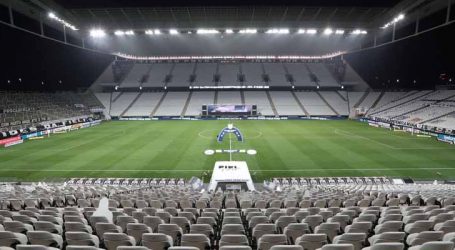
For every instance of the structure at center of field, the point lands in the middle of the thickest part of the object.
(230, 129)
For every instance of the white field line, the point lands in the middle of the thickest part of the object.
(203, 132)
(201, 170)
(349, 134)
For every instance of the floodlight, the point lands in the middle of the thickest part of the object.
(248, 31)
(301, 31)
(119, 33)
(342, 87)
(311, 31)
(394, 21)
(52, 15)
(129, 32)
(157, 32)
(328, 31)
(140, 87)
(207, 31)
(149, 32)
(97, 33)
(359, 32)
(339, 32)
(173, 32)
(277, 31)
(229, 31)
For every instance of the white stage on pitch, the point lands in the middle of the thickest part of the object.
(230, 172)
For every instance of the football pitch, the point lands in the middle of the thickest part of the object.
(146, 149)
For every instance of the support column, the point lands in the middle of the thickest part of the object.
(11, 17)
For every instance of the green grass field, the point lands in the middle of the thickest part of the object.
(175, 149)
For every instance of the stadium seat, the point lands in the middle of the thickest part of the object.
(114, 240)
(434, 245)
(157, 241)
(10, 239)
(82, 238)
(45, 238)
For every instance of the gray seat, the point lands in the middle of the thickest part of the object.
(286, 247)
(153, 222)
(418, 226)
(137, 230)
(17, 227)
(422, 237)
(114, 240)
(337, 247)
(434, 245)
(331, 229)
(45, 238)
(235, 247)
(77, 227)
(269, 240)
(48, 226)
(34, 247)
(386, 246)
(172, 230)
(102, 228)
(183, 248)
(132, 248)
(82, 248)
(232, 229)
(82, 238)
(199, 241)
(446, 227)
(295, 230)
(356, 239)
(157, 241)
(233, 239)
(387, 237)
(124, 220)
(312, 241)
(262, 229)
(10, 239)
(205, 229)
(389, 226)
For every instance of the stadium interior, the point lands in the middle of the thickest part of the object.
(227, 125)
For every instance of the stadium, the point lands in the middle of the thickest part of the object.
(222, 125)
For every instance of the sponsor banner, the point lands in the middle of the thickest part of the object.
(32, 135)
(446, 138)
(9, 140)
(9, 144)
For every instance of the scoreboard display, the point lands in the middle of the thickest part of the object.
(228, 109)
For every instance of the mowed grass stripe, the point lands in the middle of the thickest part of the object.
(175, 149)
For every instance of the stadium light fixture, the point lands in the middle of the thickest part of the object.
(311, 31)
(248, 31)
(140, 87)
(342, 87)
(129, 32)
(229, 31)
(277, 31)
(394, 21)
(153, 32)
(339, 32)
(173, 32)
(207, 31)
(53, 16)
(97, 33)
(301, 31)
(328, 31)
(359, 32)
(119, 33)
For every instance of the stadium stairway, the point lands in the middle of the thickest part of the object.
(242, 96)
(327, 103)
(418, 95)
(377, 100)
(437, 117)
(118, 96)
(159, 104)
(215, 99)
(131, 104)
(272, 104)
(411, 111)
(187, 103)
(300, 104)
(357, 104)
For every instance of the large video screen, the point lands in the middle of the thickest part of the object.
(229, 109)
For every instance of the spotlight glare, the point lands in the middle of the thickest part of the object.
(173, 32)
(207, 31)
(97, 33)
(311, 31)
(277, 31)
(119, 33)
(129, 32)
(248, 31)
(328, 31)
(229, 31)
(339, 32)
(52, 15)
(301, 31)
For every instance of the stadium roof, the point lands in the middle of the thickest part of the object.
(141, 14)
